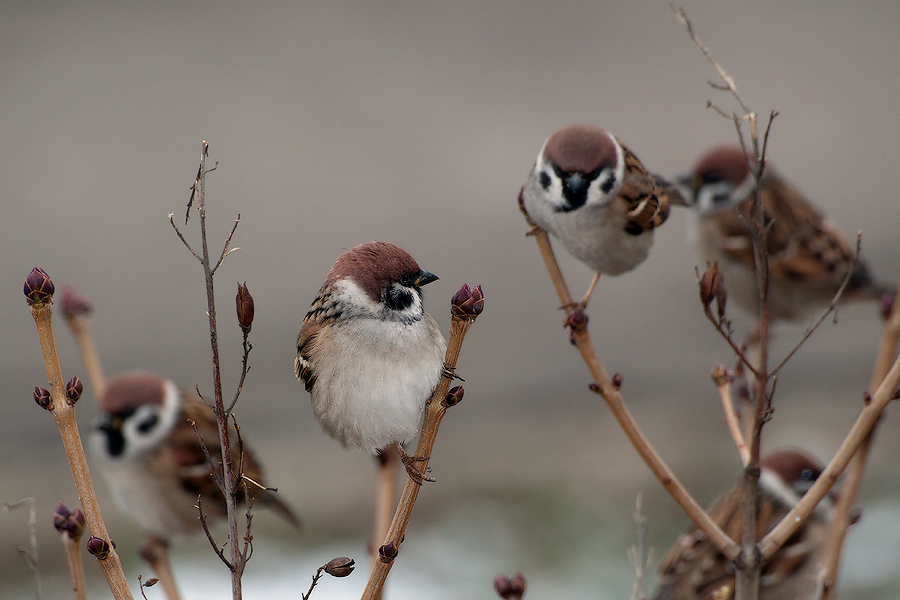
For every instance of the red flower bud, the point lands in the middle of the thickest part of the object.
(510, 589)
(74, 303)
(454, 396)
(99, 547)
(68, 522)
(467, 302)
(387, 552)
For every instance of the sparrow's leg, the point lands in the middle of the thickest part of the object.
(590, 290)
(415, 474)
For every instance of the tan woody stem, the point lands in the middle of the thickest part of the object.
(64, 414)
(80, 327)
(614, 400)
(434, 412)
(76, 567)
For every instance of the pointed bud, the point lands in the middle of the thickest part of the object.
(74, 389)
(340, 567)
(712, 287)
(74, 303)
(454, 396)
(38, 287)
(388, 552)
(42, 397)
(617, 380)
(99, 547)
(244, 303)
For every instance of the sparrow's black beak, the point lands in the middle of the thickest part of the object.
(424, 278)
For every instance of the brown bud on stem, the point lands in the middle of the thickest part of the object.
(712, 287)
(721, 375)
(99, 547)
(510, 589)
(467, 302)
(340, 567)
(577, 321)
(38, 287)
(617, 380)
(70, 523)
(454, 396)
(42, 397)
(74, 303)
(244, 304)
(388, 552)
(74, 389)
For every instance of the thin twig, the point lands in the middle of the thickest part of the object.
(315, 580)
(225, 250)
(216, 548)
(214, 471)
(30, 556)
(181, 237)
(831, 307)
(723, 384)
(244, 370)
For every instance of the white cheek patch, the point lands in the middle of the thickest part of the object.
(141, 433)
(553, 193)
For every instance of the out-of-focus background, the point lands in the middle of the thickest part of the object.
(336, 123)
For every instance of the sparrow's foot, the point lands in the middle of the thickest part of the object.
(450, 373)
(408, 461)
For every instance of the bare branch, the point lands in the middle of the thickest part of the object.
(225, 250)
(218, 550)
(181, 237)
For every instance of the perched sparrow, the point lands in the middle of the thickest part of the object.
(808, 257)
(694, 570)
(367, 351)
(153, 461)
(591, 193)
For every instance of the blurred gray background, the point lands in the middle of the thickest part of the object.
(336, 123)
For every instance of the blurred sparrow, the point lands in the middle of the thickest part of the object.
(367, 351)
(808, 257)
(694, 570)
(153, 461)
(591, 193)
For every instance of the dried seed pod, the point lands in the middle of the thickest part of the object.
(244, 304)
(340, 567)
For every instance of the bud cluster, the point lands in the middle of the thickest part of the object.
(467, 302)
(68, 522)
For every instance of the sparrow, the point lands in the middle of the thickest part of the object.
(809, 258)
(593, 194)
(693, 569)
(153, 461)
(367, 352)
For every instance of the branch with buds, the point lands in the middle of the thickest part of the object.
(60, 401)
(465, 307)
(70, 525)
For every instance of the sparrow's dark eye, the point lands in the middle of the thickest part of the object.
(544, 178)
(407, 280)
(809, 474)
(712, 178)
(149, 422)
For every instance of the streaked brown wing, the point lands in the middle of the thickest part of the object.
(646, 206)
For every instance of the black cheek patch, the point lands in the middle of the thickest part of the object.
(398, 299)
(115, 442)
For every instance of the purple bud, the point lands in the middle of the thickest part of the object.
(454, 396)
(74, 389)
(42, 397)
(467, 302)
(617, 380)
(387, 552)
(38, 287)
(887, 304)
(244, 304)
(74, 303)
(340, 567)
(510, 589)
(68, 522)
(99, 547)
(577, 322)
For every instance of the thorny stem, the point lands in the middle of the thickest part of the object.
(852, 482)
(434, 412)
(64, 415)
(617, 405)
